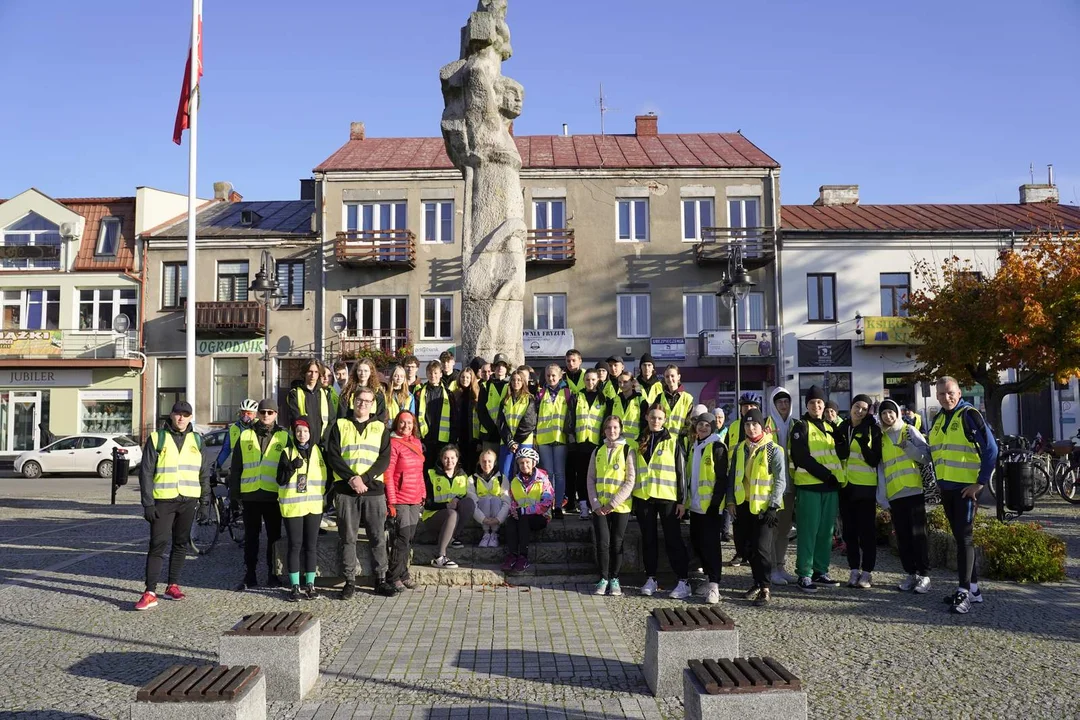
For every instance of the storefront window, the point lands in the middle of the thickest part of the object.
(105, 411)
(839, 388)
(170, 386)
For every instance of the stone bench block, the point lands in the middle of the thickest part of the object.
(675, 636)
(284, 645)
(188, 692)
(766, 691)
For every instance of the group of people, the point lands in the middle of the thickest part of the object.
(510, 450)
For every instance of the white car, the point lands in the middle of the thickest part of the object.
(85, 454)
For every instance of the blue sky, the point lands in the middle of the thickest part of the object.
(915, 102)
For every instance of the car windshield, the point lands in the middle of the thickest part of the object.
(124, 441)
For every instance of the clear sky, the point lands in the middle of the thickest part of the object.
(916, 102)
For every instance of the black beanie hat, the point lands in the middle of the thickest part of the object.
(831, 405)
(815, 393)
(888, 404)
(754, 416)
(646, 358)
(864, 398)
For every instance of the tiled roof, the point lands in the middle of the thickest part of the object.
(689, 150)
(929, 218)
(94, 210)
(277, 218)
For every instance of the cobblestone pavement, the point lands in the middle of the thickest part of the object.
(70, 646)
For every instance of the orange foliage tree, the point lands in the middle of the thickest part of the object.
(1024, 317)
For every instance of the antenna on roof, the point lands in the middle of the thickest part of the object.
(1031, 171)
(603, 108)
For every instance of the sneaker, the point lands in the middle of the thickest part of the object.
(294, 594)
(865, 580)
(712, 594)
(793, 533)
(173, 592)
(310, 592)
(960, 603)
(147, 601)
(681, 591)
(584, 507)
(777, 579)
(399, 586)
(824, 579)
(601, 587)
(456, 544)
(522, 564)
(853, 580)
(409, 583)
(508, 562)
(908, 583)
(975, 596)
(250, 582)
(807, 585)
(348, 591)
(702, 589)
(557, 514)
(763, 598)
(752, 593)
(484, 539)
(737, 561)
(386, 589)
(443, 562)
(922, 585)
(613, 588)
(649, 587)
(493, 539)
(791, 579)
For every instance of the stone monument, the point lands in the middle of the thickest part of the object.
(480, 107)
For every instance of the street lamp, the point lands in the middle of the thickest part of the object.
(265, 284)
(736, 286)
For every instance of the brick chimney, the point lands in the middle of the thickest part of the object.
(1030, 194)
(356, 131)
(645, 125)
(829, 195)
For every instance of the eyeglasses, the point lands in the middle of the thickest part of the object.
(361, 401)
(268, 412)
(186, 415)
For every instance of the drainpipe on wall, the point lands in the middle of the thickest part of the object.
(320, 315)
(142, 321)
(781, 377)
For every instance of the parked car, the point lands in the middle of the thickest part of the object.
(88, 453)
(213, 439)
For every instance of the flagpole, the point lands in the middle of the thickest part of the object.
(193, 104)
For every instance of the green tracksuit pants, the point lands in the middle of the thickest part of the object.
(816, 516)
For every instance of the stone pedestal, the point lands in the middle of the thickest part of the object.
(290, 663)
(667, 652)
(763, 705)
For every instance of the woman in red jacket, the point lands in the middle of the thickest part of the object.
(404, 495)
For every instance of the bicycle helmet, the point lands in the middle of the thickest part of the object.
(527, 452)
(249, 405)
(748, 399)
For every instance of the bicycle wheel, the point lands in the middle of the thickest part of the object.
(1040, 480)
(236, 529)
(1068, 487)
(204, 530)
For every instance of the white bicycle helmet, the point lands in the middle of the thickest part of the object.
(249, 405)
(527, 452)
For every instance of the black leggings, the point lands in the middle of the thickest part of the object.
(647, 512)
(173, 521)
(519, 529)
(909, 521)
(859, 516)
(705, 531)
(609, 531)
(577, 473)
(256, 514)
(961, 514)
(303, 534)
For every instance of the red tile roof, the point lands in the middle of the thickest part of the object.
(929, 218)
(94, 210)
(693, 150)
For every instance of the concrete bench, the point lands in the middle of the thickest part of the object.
(674, 636)
(285, 645)
(203, 692)
(742, 688)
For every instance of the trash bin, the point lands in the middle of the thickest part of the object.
(1020, 486)
(119, 467)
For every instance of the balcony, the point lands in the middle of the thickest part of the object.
(36, 348)
(376, 248)
(758, 246)
(755, 346)
(550, 247)
(387, 341)
(246, 318)
(884, 331)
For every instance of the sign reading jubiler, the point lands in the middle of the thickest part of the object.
(36, 343)
(879, 330)
(253, 346)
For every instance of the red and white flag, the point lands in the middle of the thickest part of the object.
(183, 112)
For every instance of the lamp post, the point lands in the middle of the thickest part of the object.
(736, 286)
(265, 283)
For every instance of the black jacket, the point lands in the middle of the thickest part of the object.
(339, 467)
(801, 457)
(489, 425)
(149, 464)
(312, 405)
(525, 428)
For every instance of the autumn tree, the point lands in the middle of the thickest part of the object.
(1024, 317)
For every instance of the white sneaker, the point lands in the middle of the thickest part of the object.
(791, 579)
(922, 585)
(853, 579)
(712, 595)
(493, 539)
(649, 587)
(681, 591)
(908, 583)
(486, 540)
(865, 581)
(601, 587)
(776, 577)
(584, 507)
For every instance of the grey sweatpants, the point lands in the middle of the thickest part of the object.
(371, 511)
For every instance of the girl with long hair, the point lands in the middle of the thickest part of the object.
(363, 374)
(466, 399)
(517, 420)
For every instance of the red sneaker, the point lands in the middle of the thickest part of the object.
(147, 601)
(173, 592)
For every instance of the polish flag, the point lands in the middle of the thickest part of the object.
(183, 112)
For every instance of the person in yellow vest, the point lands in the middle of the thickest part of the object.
(302, 481)
(447, 506)
(173, 483)
(249, 410)
(816, 455)
(490, 495)
(779, 422)
(612, 385)
(629, 406)
(659, 493)
(466, 401)
(736, 434)
(517, 420)
(364, 374)
(450, 375)
(308, 399)
(757, 478)
(253, 488)
(412, 372)
(648, 383)
(706, 490)
(903, 449)
(587, 412)
(677, 403)
(911, 417)
(398, 397)
(531, 497)
(965, 454)
(327, 381)
(858, 499)
(434, 412)
(492, 393)
(358, 454)
(553, 431)
(574, 374)
(610, 484)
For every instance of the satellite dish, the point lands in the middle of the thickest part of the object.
(337, 322)
(121, 323)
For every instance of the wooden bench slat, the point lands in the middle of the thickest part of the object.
(734, 673)
(756, 679)
(249, 621)
(230, 674)
(287, 622)
(200, 688)
(697, 617)
(684, 617)
(767, 672)
(297, 624)
(149, 689)
(183, 688)
(169, 690)
(706, 678)
(672, 619)
(783, 672)
(721, 681)
(236, 686)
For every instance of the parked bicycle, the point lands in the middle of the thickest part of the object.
(1064, 475)
(1015, 448)
(218, 518)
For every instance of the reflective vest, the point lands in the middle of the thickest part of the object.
(956, 459)
(513, 410)
(755, 481)
(488, 488)
(588, 419)
(900, 470)
(324, 407)
(656, 478)
(678, 413)
(610, 474)
(629, 411)
(394, 408)
(529, 498)
(310, 502)
(444, 489)
(610, 388)
(234, 433)
(359, 450)
(495, 398)
(551, 418)
(918, 421)
(706, 478)
(770, 427)
(444, 416)
(652, 392)
(576, 387)
(823, 449)
(260, 468)
(177, 471)
(856, 469)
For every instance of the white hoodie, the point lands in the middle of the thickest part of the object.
(782, 425)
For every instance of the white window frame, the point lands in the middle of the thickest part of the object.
(436, 301)
(549, 300)
(400, 321)
(697, 203)
(116, 301)
(744, 312)
(542, 209)
(285, 280)
(398, 220)
(237, 289)
(32, 241)
(107, 224)
(633, 223)
(742, 201)
(214, 389)
(443, 209)
(23, 304)
(634, 319)
(698, 300)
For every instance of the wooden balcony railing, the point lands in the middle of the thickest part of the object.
(230, 317)
(376, 248)
(385, 340)
(758, 246)
(550, 247)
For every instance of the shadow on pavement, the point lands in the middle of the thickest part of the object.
(49, 714)
(129, 668)
(206, 657)
(551, 667)
(497, 710)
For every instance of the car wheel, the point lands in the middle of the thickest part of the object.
(104, 469)
(31, 470)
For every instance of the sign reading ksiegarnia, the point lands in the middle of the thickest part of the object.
(251, 346)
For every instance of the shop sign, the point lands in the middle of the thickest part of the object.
(824, 353)
(426, 352)
(547, 343)
(885, 331)
(668, 348)
(755, 343)
(40, 343)
(46, 377)
(252, 346)
(29, 252)
(894, 380)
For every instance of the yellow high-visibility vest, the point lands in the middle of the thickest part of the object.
(657, 478)
(900, 471)
(823, 449)
(611, 474)
(588, 419)
(551, 418)
(444, 416)
(177, 471)
(754, 480)
(260, 468)
(360, 450)
(956, 459)
(513, 410)
(310, 502)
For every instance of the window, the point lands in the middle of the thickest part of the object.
(821, 298)
(744, 213)
(752, 312)
(633, 316)
(232, 281)
(32, 242)
(104, 411)
(108, 236)
(439, 221)
(290, 278)
(699, 313)
(376, 216)
(549, 223)
(894, 294)
(697, 213)
(30, 309)
(549, 312)
(837, 385)
(633, 220)
(438, 312)
(171, 382)
(230, 387)
(98, 307)
(385, 319)
(173, 285)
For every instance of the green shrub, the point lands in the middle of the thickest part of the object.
(1023, 552)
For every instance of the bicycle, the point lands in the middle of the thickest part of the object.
(1018, 449)
(1064, 475)
(219, 517)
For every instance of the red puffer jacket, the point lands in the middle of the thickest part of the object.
(405, 475)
